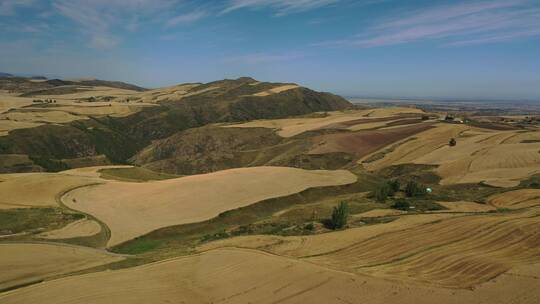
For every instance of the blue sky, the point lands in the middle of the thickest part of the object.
(461, 49)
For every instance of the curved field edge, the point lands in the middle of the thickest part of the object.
(131, 210)
(97, 241)
(181, 239)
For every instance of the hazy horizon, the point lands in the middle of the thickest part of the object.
(376, 48)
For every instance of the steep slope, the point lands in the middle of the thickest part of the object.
(119, 138)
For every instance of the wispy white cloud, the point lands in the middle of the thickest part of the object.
(187, 18)
(100, 19)
(9, 7)
(460, 24)
(282, 7)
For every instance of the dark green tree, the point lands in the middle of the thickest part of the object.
(340, 215)
(414, 189)
(380, 194)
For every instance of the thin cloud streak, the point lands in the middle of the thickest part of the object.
(187, 18)
(282, 7)
(461, 24)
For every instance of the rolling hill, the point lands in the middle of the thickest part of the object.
(111, 125)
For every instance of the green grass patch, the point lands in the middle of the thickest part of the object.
(134, 174)
(31, 220)
(141, 246)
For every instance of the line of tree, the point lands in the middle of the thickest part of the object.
(389, 189)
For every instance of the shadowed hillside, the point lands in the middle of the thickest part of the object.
(119, 138)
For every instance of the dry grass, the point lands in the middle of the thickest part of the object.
(29, 263)
(131, 209)
(81, 228)
(276, 90)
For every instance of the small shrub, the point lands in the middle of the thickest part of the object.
(401, 205)
(452, 142)
(340, 215)
(309, 226)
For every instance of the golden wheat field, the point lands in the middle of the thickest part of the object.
(22, 263)
(131, 209)
(38, 189)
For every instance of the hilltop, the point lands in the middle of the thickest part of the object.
(58, 124)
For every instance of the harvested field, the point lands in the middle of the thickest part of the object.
(516, 199)
(242, 276)
(362, 143)
(112, 109)
(459, 252)
(8, 102)
(351, 120)
(485, 158)
(131, 209)
(38, 189)
(81, 228)
(40, 116)
(10, 125)
(425, 142)
(465, 207)
(23, 264)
